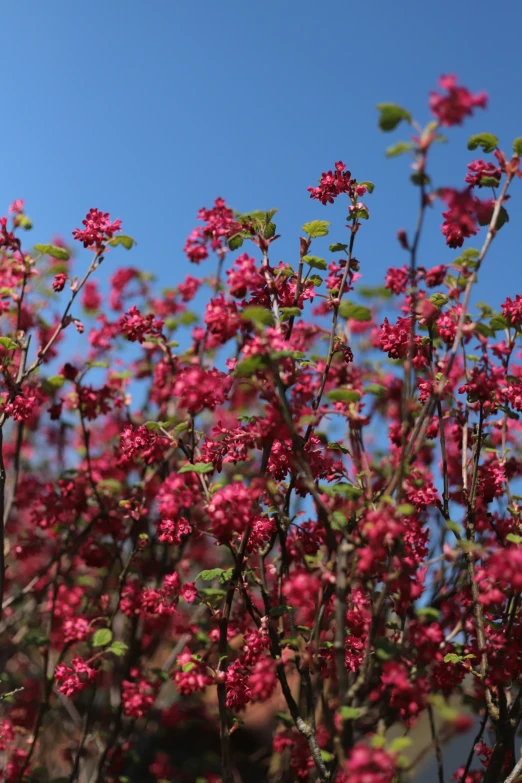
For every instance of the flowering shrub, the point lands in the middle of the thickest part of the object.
(297, 506)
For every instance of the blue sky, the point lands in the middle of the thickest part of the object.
(149, 110)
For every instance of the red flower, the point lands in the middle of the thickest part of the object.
(458, 103)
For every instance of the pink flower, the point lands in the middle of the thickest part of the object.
(74, 678)
(98, 229)
(17, 206)
(332, 184)
(59, 281)
(137, 327)
(370, 765)
(458, 103)
(91, 299)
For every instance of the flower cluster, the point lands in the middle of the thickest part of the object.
(288, 516)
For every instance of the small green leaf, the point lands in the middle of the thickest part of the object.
(337, 447)
(197, 467)
(235, 242)
(374, 291)
(316, 263)
(420, 178)
(337, 247)
(355, 312)
(399, 149)
(429, 612)
(349, 713)
(289, 312)
(498, 322)
(348, 491)
(453, 658)
(209, 574)
(513, 538)
(8, 344)
(517, 146)
(55, 252)
(102, 637)
(279, 611)
(406, 509)
(399, 744)
(343, 395)
(487, 141)
(391, 115)
(370, 187)
(55, 381)
(317, 280)
(118, 649)
(317, 228)
(375, 388)
(122, 239)
(439, 300)
(259, 315)
(489, 182)
(248, 367)
(24, 222)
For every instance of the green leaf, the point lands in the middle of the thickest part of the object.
(317, 228)
(348, 491)
(102, 637)
(337, 247)
(354, 311)
(156, 426)
(197, 467)
(374, 388)
(327, 756)
(420, 178)
(209, 574)
(269, 231)
(289, 312)
(399, 744)
(513, 538)
(316, 263)
(55, 381)
(343, 395)
(55, 252)
(439, 300)
(399, 149)
(248, 367)
(489, 182)
(317, 280)
(385, 649)
(517, 146)
(374, 291)
(8, 344)
(370, 187)
(122, 239)
(498, 322)
(349, 713)
(24, 222)
(235, 242)
(453, 658)
(391, 115)
(406, 509)
(118, 649)
(359, 214)
(279, 611)
(503, 217)
(487, 141)
(429, 612)
(337, 447)
(261, 316)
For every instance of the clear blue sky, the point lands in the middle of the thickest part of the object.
(149, 110)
